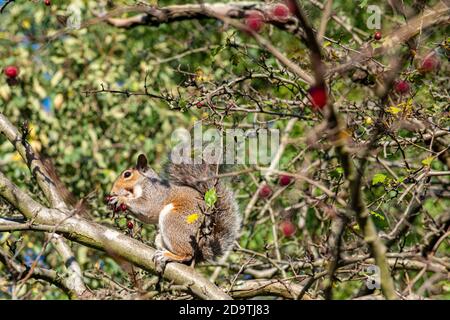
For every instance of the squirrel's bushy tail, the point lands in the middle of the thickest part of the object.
(225, 217)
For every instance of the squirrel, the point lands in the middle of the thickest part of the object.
(188, 228)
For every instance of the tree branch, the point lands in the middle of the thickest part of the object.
(106, 239)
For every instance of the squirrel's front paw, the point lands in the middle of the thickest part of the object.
(160, 261)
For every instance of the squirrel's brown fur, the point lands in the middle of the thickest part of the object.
(187, 227)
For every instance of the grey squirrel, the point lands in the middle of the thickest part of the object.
(188, 229)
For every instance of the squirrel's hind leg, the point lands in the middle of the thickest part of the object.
(163, 256)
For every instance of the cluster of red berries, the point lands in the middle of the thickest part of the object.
(254, 19)
(122, 207)
(116, 208)
(286, 226)
(266, 191)
(428, 64)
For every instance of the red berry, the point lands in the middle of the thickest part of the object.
(291, 5)
(429, 63)
(288, 228)
(254, 20)
(318, 96)
(377, 35)
(280, 11)
(130, 224)
(47, 2)
(284, 180)
(265, 191)
(11, 71)
(401, 86)
(123, 207)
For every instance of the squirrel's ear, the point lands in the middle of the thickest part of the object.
(142, 164)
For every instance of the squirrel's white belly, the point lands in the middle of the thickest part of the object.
(162, 217)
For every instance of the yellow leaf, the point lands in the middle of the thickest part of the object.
(368, 121)
(200, 76)
(32, 130)
(394, 110)
(26, 24)
(427, 161)
(192, 218)
(36, 145)
(58, 101)
(16, 157)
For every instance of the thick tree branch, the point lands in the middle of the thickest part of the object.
(47, 185)
(74, 273)
(106, 239)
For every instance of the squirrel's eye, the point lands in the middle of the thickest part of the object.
(127, 174)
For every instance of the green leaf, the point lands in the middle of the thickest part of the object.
(377, 215)
(363, 3)
(211, 197)
(378, 178)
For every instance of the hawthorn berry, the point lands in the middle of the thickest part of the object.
(318, 96)
(288, 228)
(291, 5)
(254, 21)
(11, 72)
(401, 86)
(284, 180)
(265, 191)
(280, 11)
(130, 224)
(123, 207)
(47, 2)
(377, 35)
(429, 63)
